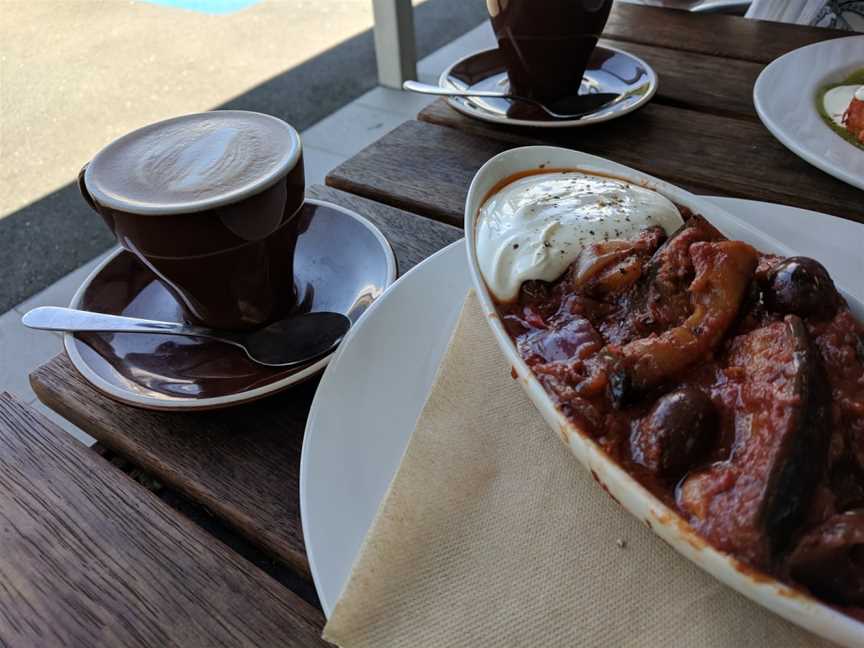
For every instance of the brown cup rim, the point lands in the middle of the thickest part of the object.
(283, 168)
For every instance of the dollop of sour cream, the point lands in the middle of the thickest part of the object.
(836, 101)
(536, 226)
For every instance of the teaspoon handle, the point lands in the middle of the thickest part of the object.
(54, 318)
(426, 88)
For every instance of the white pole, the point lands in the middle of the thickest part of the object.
(395, 49)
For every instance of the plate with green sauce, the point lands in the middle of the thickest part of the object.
(833, 99)
(789, 96)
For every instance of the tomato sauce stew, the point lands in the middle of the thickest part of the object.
(728, 382)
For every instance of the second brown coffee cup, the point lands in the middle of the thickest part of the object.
(208, 203)
(546, 44)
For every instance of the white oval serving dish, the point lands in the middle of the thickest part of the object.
(790, 603)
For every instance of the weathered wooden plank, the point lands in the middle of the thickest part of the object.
(428, 175)
(698, 81)
(92, 559)
(242, 463)
(427, 169)
(412, 238)
(732, 37)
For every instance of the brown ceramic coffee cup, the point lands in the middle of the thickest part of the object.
(208, 203)
(546, 44)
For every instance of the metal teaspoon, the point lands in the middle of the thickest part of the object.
(292, 341)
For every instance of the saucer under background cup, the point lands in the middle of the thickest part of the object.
(609, 70)
(342, 263)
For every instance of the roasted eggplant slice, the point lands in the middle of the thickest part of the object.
(830, 559)
(615, 265)
(723, 272)
(660, 299)
(753, 502)
(671, 269)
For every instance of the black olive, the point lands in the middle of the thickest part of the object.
(801, 286)
(676, 433)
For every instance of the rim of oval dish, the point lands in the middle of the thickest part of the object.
(246, 396)
(484, 115)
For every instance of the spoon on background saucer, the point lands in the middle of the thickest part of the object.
(294, 340)
(567, 108)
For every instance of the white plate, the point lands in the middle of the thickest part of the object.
(370, 397)
(785, 98)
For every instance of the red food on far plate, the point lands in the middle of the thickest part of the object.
(853, 119)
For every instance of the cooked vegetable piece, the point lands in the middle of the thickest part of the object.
(830, 559)
(672, 259)
(661, 300)
(723, 271)
(614, 266)
(801, 286)
(751, 503)
(676, 433)
(571, 339)
(597, 258)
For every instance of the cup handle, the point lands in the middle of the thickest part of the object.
(82, 187)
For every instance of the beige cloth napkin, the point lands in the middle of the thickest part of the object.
(491, 534)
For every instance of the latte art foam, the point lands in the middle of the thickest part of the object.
(197, 162)
(192, 162)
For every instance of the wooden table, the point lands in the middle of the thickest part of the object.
(235, 472)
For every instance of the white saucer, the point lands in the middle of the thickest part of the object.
(342, 263)
(609, 70)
